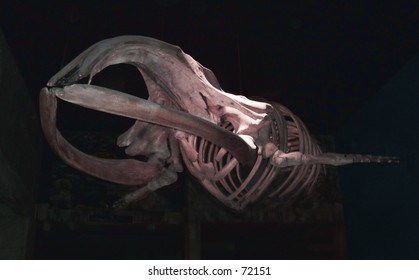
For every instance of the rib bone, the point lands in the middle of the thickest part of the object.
(239, 149)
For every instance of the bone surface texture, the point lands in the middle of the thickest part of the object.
(239, 150)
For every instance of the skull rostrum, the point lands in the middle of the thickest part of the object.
(237, 148)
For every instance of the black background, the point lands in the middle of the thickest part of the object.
(322, 59)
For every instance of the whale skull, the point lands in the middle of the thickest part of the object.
(237, 148)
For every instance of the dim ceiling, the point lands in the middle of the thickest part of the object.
(322, 60)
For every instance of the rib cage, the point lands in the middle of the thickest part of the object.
(183, 115)
(236, 185)
(296, 179)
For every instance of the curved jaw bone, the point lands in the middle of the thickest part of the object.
(186, 103)
(175, 80)
(152, 174)
(122, 104)
(119, 171)
(170, 76)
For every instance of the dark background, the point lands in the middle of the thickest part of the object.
(322, 59)
(325, 60)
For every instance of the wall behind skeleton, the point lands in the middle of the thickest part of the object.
(19, 158)
(381, 209)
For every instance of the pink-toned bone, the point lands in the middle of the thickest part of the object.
(176, 75)
(237, 148)
(122, 104)
(282, 159)
(127, 171)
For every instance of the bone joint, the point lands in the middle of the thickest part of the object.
(240, 150)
